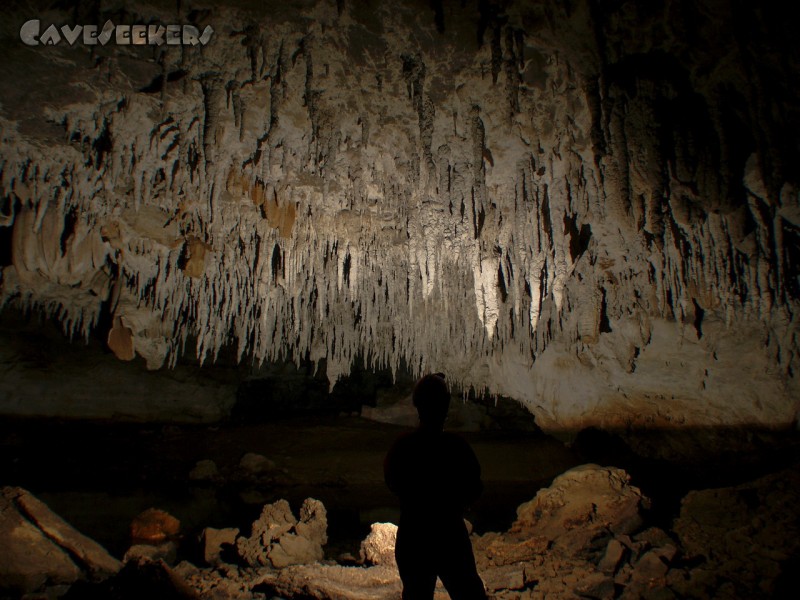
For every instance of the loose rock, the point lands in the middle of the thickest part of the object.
(204, 470)
(278, 539)
(154, 526)
(378, 547)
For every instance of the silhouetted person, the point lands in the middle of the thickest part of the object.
(436, 475)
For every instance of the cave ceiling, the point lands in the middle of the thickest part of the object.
(589, 207)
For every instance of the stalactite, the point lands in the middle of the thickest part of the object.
(347, 204)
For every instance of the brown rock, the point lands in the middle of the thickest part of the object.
(39, 547)
(28, 559)
(336, 583)
(746, 533)
(168, 552)
(582, 507)
(256, 464)
(650, 568)
(506, 549)
(611, 559)
(89, 553)
(194, 264)
(154, 526)
(120, 340)
(278, 539)
(141, 579)
(214, 539)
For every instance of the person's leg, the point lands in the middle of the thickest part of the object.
(415, 563)
(457, 568)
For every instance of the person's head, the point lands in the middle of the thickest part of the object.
(432, 399)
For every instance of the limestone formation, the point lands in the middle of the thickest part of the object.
(278, 539)
(590, 208)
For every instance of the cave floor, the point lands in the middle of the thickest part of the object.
(100, 475)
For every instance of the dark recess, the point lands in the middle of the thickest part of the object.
(276, 262)
(578, 239)
(102, 145)
(70, 220)
(605, 325)
(501, 284)
(7, 207)
(699, 313)
(155, 86)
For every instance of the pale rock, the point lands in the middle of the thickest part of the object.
(378, 547)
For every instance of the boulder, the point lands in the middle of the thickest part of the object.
(748, 535)
(583, 509)
(39, 548)
(278, 539)
(378, 547)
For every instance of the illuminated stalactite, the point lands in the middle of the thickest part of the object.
(315, 187)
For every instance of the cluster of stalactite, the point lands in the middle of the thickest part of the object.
(322, 188)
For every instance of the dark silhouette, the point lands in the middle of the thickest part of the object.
(436, 476)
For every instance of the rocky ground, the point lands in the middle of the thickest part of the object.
(588, 535)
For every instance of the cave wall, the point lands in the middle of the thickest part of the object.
(590, 207)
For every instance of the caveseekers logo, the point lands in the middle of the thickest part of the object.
(124, 35)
